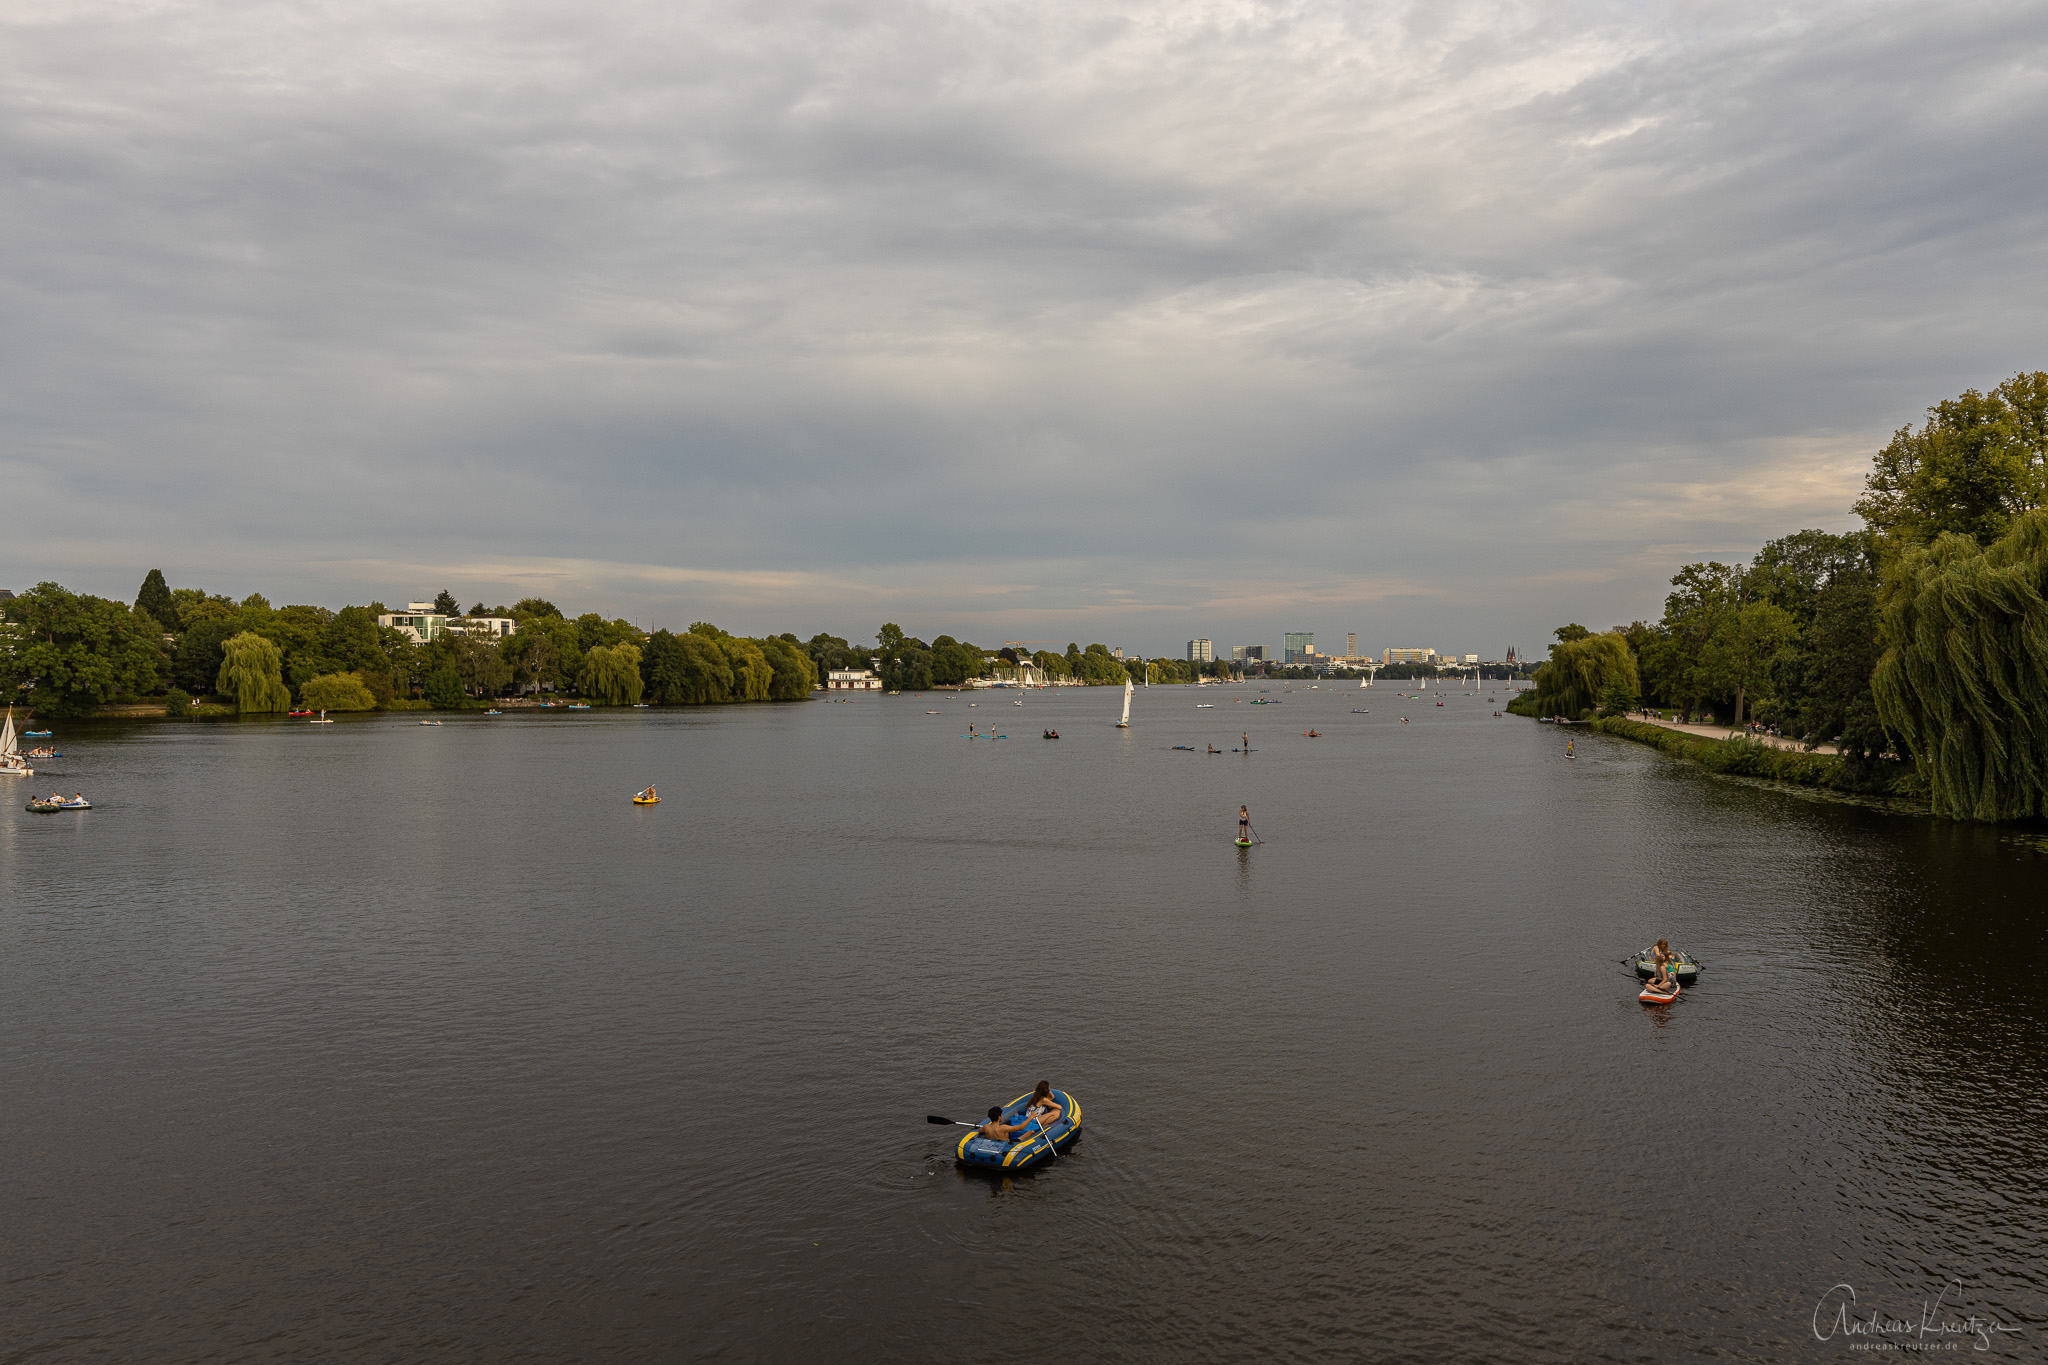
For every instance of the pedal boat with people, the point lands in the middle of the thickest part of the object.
(1027, 1149)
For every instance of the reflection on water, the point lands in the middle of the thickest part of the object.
(379, 1040)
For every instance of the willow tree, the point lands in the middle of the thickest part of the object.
(338, 692)
(252, 672)
(611, 674)
(1964, 677)
(1585, 671)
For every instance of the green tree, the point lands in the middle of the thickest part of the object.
(545, 651)
(251, 672)
(534, 606)
(1978, 462)
(196, 661)
(443, 687)
(445, 603)
(195, 605)
(1739, 656)
(155, 598)
(611, 674)
(794, 674)
(72, 652)
(1963, 681)
(337, 692)
(1582, 671)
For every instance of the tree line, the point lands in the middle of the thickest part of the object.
(1918, 642)
(66, 653)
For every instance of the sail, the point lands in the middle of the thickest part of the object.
(8, 748)
(1127, 703)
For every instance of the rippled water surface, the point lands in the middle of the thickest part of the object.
(376, 1041)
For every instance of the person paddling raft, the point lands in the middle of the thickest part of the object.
(995, 1127)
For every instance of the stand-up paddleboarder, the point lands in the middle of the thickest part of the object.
(1244, 824)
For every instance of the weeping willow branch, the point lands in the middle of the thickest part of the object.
(1964, 678)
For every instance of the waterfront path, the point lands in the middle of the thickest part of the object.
(1724, 731)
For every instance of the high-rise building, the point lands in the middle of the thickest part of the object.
(1297, 645)
(1350, 644)
(1243, 652)
(1201, 651)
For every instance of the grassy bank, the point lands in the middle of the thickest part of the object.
(1746, 757)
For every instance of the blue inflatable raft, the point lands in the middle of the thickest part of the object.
(1029, 1149)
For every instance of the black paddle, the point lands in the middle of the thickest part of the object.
(954, 1123)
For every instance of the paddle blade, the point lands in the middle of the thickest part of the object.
(934, 1118)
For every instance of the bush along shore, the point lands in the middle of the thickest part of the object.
(1743, 757)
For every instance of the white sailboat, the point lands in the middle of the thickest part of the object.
(1125, 723)
(12, 764)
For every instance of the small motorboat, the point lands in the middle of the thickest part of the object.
(1028, 1149)
(1684, 970)
(1651, 995)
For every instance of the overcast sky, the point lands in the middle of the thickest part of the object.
(1444, 322)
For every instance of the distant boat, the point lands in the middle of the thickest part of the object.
(12, 764)
(1205, 706)
(321, 719)
(1125, 723)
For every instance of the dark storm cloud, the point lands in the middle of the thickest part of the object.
(1213, 319)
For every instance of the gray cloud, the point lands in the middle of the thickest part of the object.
(1443, 321)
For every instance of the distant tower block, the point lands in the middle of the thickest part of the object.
(1351, 644)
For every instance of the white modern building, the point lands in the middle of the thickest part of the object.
(1201, 651)
(419, 620)
(1408, 656)
(851, 680)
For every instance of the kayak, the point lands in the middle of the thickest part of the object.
(1029, 1149)
(1650, 995)
(1687, 972)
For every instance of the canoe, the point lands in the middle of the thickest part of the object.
(1686, 972)
(1029, 1149)
(1650, 995)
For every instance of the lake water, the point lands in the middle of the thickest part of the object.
(385, 1042)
